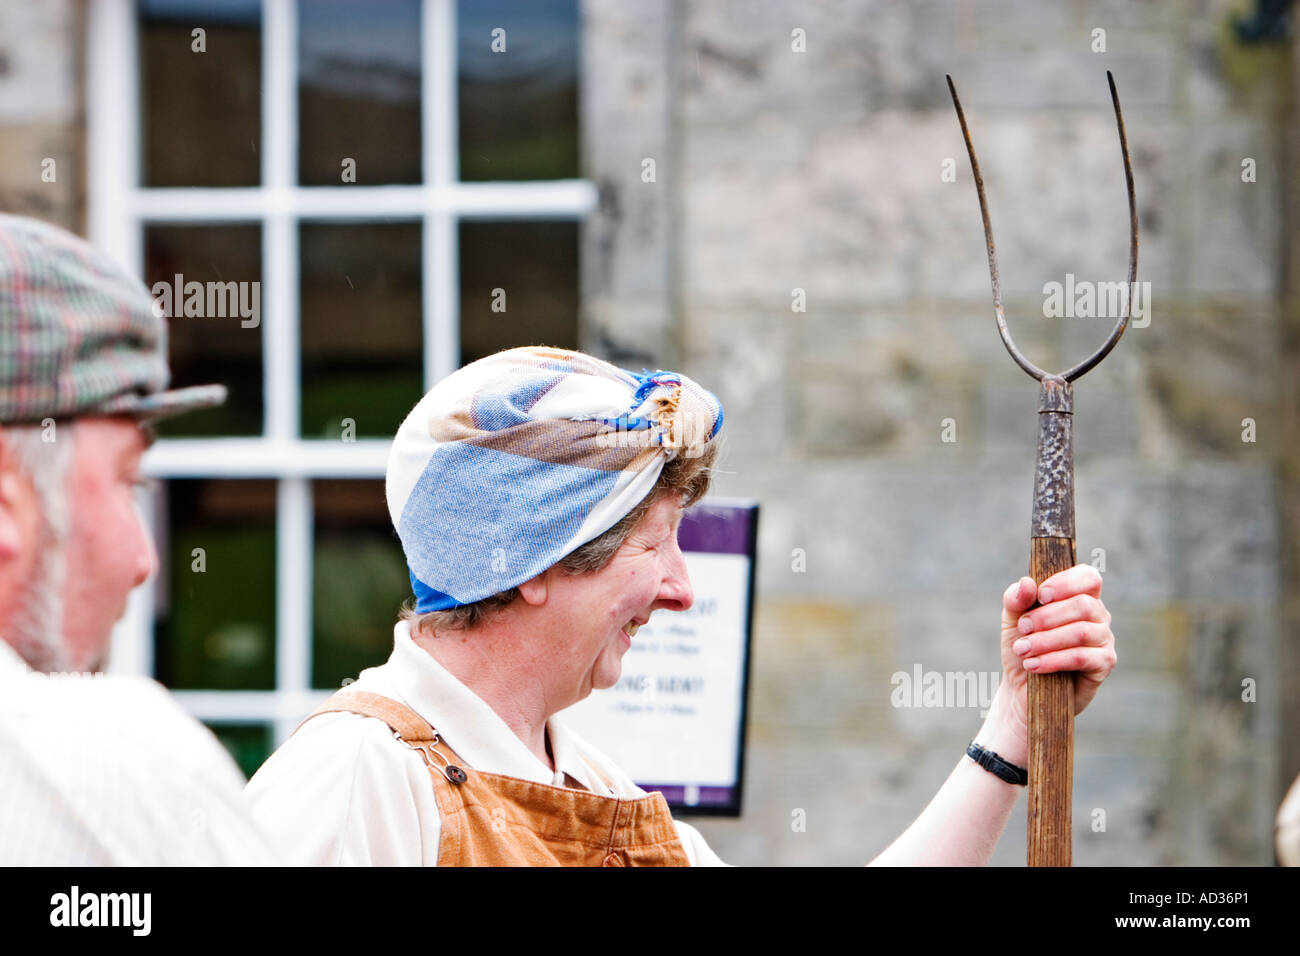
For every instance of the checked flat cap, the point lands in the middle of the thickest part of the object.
(79, 335)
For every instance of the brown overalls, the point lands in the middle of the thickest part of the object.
(489, 819)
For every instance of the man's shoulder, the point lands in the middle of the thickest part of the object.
(110, 713)
(134, 777)
(46, 695)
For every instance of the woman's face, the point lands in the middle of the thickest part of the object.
(646, 574)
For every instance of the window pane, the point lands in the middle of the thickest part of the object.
(215, 620)
(249, 744)
(358, 92)
(362, 341)
(209, 337)
(359, 580)
(200, 93)
(535, 267)
(518, 107)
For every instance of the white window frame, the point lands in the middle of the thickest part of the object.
(118, 210)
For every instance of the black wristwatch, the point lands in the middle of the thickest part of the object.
(997, 766)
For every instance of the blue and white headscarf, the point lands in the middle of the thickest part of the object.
(518, 459)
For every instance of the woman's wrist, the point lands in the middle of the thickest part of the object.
(1005, 748)
(1001, 737)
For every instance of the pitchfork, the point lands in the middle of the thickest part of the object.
(1051, 696)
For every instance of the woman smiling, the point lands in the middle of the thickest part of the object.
(537, 494)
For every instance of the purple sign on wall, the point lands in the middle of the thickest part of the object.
(676, 719)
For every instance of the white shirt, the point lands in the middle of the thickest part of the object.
(342, 791)
(110, 771)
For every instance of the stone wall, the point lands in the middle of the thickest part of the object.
(42, 127)
(823, 171)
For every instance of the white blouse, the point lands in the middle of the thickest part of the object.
(342, 791)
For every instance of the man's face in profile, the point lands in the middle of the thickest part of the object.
(84, 575)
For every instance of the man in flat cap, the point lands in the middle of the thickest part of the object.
(537, 494)
(97, 770)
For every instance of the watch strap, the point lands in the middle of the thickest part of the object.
(995, 765)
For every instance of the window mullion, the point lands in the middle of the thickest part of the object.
(113, 131)
(280, 239)
(441, 298)
(438, 106)
(112, 180)
(293, 522)
(439, 118)
(293, 587)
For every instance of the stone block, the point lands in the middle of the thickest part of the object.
(40, 63)
(23, 161)
(1131, 516)
(1205, 370)
(1244, 218)
(1226, 536)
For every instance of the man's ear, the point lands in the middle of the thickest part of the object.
(534, 590)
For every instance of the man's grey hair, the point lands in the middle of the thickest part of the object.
(36, 629)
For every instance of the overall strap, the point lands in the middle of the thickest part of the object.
(403, 721)
(407, 726)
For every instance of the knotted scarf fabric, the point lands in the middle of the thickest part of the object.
(518, 459)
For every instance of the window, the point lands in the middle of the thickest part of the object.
(377, 181)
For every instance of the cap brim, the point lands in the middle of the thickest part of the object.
(161, 405)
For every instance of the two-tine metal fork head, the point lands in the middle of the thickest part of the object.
(1104, 350)
(1053, 515)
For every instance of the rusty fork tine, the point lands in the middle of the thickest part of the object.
(1122, 324)
(1016, 354)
